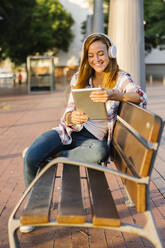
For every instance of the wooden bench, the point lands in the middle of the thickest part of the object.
(133, 150)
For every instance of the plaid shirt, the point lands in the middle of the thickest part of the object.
(124, 84)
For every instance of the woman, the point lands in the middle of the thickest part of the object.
(77, 137)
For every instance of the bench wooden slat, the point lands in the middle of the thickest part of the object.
(103, 207)
(37, 208)
(140, 119)
(70, 208)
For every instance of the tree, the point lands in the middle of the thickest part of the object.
(31, 27)
(154, 20)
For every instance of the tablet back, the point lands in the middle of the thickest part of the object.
(83, 102)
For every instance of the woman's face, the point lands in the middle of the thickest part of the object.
(98, 56)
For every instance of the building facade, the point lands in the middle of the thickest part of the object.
(155, 67)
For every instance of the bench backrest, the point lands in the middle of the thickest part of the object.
(135, 142)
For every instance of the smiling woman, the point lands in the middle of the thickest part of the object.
(78, 137)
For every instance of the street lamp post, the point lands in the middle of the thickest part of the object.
(89, 25)
(98, 17)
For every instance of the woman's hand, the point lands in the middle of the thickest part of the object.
(101, 96)
(115, 95)
(77, 117)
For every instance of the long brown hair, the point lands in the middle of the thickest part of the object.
(86, 71)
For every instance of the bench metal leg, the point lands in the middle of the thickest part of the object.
(151, 230)
(148, 231)
(13, 226)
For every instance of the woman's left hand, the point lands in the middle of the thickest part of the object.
(101, 96)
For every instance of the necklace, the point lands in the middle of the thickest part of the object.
(96, 84)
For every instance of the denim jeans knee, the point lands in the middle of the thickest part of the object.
(43, 147)
(91, 150)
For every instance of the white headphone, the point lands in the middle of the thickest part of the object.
(112, 51)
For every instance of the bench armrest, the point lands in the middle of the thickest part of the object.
(141, 180)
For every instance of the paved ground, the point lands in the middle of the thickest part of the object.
(22, 118)
(156, 103)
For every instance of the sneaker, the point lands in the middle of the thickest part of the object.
(26, 229)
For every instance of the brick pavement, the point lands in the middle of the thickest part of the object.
(22, 118)
(156, 103)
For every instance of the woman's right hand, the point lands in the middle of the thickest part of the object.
(78, 117)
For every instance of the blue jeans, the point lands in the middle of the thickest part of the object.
(84, 147)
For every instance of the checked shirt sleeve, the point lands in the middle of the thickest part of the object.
(126, 84)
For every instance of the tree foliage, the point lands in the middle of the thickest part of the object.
(33, 26)
(154, 19)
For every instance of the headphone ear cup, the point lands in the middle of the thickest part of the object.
(112, 51)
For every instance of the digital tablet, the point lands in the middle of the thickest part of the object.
(83, 102)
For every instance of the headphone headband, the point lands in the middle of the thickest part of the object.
(111, 50)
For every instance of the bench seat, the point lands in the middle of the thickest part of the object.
(70, 206)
